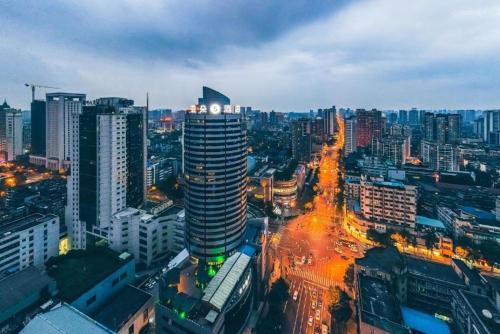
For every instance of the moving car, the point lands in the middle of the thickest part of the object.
(295, 295)
(310, 321)
(318, 314)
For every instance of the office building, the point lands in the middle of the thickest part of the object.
(389, 202)
(28, 241)
(369, 126)
(215, 171)
(439, 157)
(329, 121)
(38, 128)
(149, 235)
(108, 166)
(11, 133)
(301, 140)
(60, 109)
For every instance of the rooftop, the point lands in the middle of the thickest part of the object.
(493, 280)
(435, 270)
(426, 221)
(225, 281)
(481, 305)
(23, 223)
(121, 308)
(64, 319)
(423, 322)
(16, 287)
(381, 258)
(389, 184)
(379, 302)
(79, 270)
(472, 274)
(482, 215)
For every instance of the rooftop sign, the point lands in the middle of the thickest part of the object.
(214, 109)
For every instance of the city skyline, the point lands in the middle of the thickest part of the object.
(349, 54)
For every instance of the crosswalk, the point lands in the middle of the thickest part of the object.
(312, 277)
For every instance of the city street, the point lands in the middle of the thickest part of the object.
(314, 251)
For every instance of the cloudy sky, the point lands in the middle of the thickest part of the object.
(288, 55)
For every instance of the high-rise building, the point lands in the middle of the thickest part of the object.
(369, 126)
(413, 116)
(60, 107)
(301, 139)
(442, 128)
(403, 117)
(108, 166)
(441, 157)
(11, 134)
(215, 171)
(38, 128)
(329, 121)
(350, 135)
(491, 123)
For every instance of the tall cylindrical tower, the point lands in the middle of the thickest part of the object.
(215, 171)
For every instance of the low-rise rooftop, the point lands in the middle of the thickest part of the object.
(379, 307)
(434, 270)
(17, 287)
(80, 270)
(430, 222)
(381, 258)
(64, 319)
(122, 307)
(23, 223)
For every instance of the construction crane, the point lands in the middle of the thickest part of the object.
(33, 86)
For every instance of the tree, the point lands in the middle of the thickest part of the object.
(380, 238)
(333, 295)
(401, 237)
(279, 291)
(274, 320)
(431, 240)
(341, 311)
(349, 276)
(490, 251)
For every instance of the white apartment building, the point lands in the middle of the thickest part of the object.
(11, 134)
(392, 203)
(27, 241)
(14, 133)
(149, 236)
(350, 135)
(440, 157)
(60, 107)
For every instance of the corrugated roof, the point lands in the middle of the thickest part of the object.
(64, 319)
(222, 285)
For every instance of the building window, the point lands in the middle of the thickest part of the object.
(91, 300)
(131, 329)
(115, 281)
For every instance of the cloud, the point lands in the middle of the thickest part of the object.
(291, 55)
